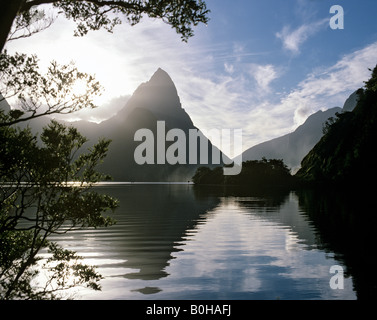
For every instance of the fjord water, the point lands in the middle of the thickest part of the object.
(177, 241)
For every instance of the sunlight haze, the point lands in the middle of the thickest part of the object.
(260, 66)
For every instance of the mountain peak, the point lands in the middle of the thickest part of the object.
(351, 102)
(161, 78)
(159, 96)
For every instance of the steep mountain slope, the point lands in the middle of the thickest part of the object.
(4, 106)
(155, 100)
(293, 147)
(346, 153)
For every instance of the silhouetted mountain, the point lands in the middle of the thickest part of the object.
(293, 147)
(351, 102)
(345, 154)
(155, 100)
(4, 106)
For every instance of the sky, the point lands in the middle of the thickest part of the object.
(260, 66)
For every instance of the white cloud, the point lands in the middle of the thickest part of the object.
(229, 102)
(263, 75)
(330, 87)
(99, 114)
(229, 68)
(215, 82)
(293, 40)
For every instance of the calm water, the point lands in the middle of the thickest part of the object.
(184, 242)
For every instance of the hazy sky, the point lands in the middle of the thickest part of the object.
(262, 66)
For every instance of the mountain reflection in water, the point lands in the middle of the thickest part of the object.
(185, 242)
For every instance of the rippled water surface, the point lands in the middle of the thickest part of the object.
(181, 242)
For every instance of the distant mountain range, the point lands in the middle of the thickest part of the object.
(293, 147)
(158, 100)
(153, 101)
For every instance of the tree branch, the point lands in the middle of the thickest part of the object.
(121, 4)
(29, 4)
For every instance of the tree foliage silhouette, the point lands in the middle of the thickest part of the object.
(345, 155)
(254, 173)
(28, 16)
(46, 180)
(45, 190)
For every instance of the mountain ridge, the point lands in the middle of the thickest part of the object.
(294, 146)
(345, 155)
(157, 100)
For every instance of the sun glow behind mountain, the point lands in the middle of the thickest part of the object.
(237, 72)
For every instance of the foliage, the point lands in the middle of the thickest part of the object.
(30, 22)
(205, 175)
(36, 94)
(92, 14)
(181, 15)
(38, 198)
(263, 172)
(371, 84)
(46, 187)
(46, 181)
(329, 122)
(345, 153)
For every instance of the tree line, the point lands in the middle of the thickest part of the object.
(254, 173)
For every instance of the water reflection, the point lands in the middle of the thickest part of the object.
(241, 253)
(150, 221)
(184, 242)
(346, 224)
